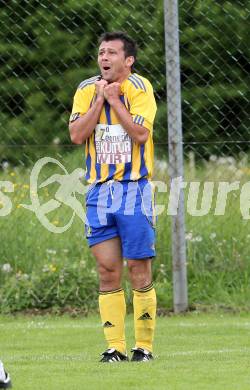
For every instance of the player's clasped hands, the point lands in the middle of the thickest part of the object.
(112, 91)
(108, 91)
(99, 87)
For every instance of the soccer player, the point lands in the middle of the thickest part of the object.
(113, 114)
(5, 382)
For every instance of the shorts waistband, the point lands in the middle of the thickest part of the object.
(108, 182)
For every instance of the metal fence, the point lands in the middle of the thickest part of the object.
(48, 48)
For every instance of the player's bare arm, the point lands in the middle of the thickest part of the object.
(83, 127)
(137, 132)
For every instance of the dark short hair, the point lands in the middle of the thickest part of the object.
(129, 45)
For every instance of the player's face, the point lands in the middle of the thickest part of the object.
(112, 62)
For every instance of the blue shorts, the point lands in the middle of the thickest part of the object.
(126, 210)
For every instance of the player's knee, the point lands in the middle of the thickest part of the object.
(140, 279)
(107, 274)
(139, 273)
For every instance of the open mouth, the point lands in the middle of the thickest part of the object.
(106, 67)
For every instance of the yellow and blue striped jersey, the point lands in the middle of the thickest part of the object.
(110, 152)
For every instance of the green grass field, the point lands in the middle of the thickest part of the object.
(196, 351)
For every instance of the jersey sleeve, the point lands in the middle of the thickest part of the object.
(81, 103)
(143, 106)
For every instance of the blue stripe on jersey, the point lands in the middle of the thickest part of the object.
(122, 99)
(88, 162)
(141, 121)
(112, 167)
(127, 171)
(86, 84)
(126, 102)
(97, 165)
(107, 112)
(90, 81)
(92, 100)
(139, 80)
(133, 82)
(136, 81)
(143, 168)
(127, 166)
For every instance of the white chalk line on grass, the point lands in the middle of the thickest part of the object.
(82, 356)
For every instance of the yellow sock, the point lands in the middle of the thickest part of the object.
(113, 310)
(144, 317)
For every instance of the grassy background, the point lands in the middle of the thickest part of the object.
(197, 352)
(56, 270)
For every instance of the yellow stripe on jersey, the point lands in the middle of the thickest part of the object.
(104, 172)
(119, 173)
(92, 152)
(138, 97)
